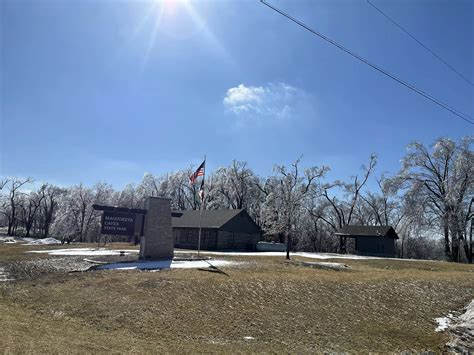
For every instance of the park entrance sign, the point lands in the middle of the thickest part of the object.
(118, 223)
(121, 220)
(152, 225)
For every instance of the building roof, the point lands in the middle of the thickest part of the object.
(368, 231)
(210, 218)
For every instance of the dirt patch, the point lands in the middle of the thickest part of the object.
(32, 269)
(37, 268)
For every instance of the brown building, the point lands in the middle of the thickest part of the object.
(369, 240)
(221, 230)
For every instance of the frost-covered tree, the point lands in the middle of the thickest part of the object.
(235, 187)
(76, 206)
(64, 226)
(432, 193)
(176, 186)
(443, 177)
(339, 209)
(128, 197)
(286, 193)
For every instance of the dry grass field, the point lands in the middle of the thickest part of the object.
(262, 305)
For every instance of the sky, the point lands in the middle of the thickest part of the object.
(102, 90)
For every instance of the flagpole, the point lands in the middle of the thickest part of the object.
(200, 212)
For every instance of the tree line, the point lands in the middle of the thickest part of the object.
(429, 202)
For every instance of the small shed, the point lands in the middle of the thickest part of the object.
(220, 230)
(369, 240)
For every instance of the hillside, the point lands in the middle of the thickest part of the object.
(259, 304)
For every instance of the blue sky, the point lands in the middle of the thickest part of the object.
(108, 90)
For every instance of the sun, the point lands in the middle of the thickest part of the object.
(178, 20)
(172, 4)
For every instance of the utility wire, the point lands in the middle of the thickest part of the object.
(461, 115)
(421, 44)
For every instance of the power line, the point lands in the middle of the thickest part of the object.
(461, 115)
(422, 44)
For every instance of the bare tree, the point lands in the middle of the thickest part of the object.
(3, 202)
(30, 205)
(444, 177)
(50, 196)
(235, 184)
(3, 183)
(338, 212)
(385, 207)
(285, 195)
(10, 205)
(462, 221)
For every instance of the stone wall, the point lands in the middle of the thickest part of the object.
(157, 241)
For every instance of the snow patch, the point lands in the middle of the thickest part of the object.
(321, 256)
(45, 241)
(9, 240)
(27, 240)
(309, 255)
(167, 264)
(30, 241)
(443, 322)
(85, 252)
(332, 264)
(462, 332)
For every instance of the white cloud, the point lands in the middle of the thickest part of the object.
(278, 100)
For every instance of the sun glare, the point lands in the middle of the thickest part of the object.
(172, 4)
(180, 20)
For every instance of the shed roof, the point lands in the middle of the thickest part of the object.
(210, 218)
(368, 231)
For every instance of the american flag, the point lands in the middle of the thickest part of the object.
(199, 172)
